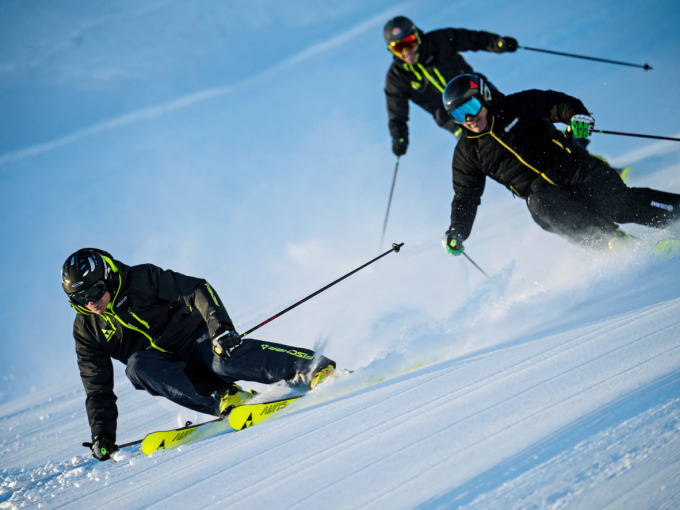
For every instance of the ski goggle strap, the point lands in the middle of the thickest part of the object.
(470, 107)
(408, 42)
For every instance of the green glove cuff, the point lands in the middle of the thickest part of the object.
(453, 247)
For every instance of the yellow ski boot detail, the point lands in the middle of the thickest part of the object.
(321, 376)
(619, 239)
(235, 396)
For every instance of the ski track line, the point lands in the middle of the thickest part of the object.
(474, 387)
(267, 450)
(481, 411)
(590, 460)
(135, 473)
(514, 396)
(168, 456)
(449, 456)
(294, 410)
(341, 446)
(428, 379)
(42, 478)
(578, 340)
(117, 473)
(532, 361)
(255, 438)
(160, 459)
(500, 432)
(511, 368)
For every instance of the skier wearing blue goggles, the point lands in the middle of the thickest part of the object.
(512, 139)
(471, 107)
(466, 97)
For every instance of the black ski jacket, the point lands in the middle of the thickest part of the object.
(423, 83)
(520, 149)
(150, 308)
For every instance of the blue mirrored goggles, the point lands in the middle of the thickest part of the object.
(471, 107)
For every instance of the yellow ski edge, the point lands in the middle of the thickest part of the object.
(667, 247)
(170, 438)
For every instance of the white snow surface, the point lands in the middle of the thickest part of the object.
(246, 142)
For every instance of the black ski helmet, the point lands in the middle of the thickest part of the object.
(84, 268)
(397, 28)
(463, 88)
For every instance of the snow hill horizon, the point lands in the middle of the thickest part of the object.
(247, 144)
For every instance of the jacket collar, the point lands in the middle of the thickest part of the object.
(470, 134)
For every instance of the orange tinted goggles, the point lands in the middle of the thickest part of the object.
(408, 42)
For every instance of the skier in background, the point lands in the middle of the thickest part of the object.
(422, 66)
(176, 338)
(569, 192)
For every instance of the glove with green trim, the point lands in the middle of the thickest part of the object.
(582, 125)
(103, 447)
(224, 343)
(453, 242)
(399, 146)
(508, 44)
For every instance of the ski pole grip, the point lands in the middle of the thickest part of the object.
(396, 247)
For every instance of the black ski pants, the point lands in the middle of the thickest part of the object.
(588, 210)
(190, 376)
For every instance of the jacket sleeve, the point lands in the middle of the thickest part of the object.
(397, 106)
(468, 186)
(194, 292)
(548, 104)
(96, 372)
(472, 40)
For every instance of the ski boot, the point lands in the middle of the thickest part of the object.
(234, 396)
(321, 375)
(620, 239)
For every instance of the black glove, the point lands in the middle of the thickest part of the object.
(223, 344)
(506, 44)
(453, 242)
(103, 447)
(399, 146)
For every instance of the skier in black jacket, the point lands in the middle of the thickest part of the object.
(512, 139)
(175, 336)
(423, 64)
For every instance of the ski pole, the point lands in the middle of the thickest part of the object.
(395, 248)
(636, 134)
(139, 441)
(646, 67)
(389, 202)
(475, 264)
(124, 445)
